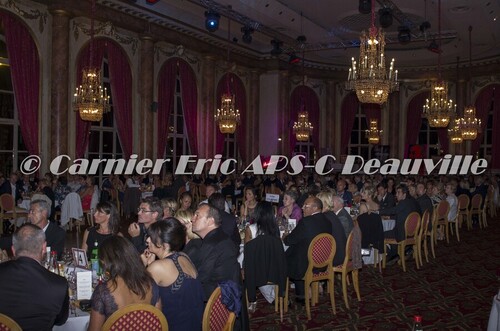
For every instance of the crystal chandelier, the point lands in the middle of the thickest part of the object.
(469, 125)
(439, 110)
(227, 116)
(454, 133)
(302, 128)
(371, 80)
(373, 134)
(91, 100)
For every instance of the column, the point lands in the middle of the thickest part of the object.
(327, 126)
(284, 114)
(396, 135)
(206, 124)
(59, 89)
(146, 116)
(252, 117)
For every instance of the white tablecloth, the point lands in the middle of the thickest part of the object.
(75, 323)
(388, 224)
(494, 321)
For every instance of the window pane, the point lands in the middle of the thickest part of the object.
(433, 138)
(364, 126)
(20, 141)
(3, 49)
(6, 104)
(93, 142)
(118, 147)
(107, 142)
(5, 81)
(489, 137)
(354, 138)
(6, 134)
(179, 146)
(356, 125)
(6, 162)
(180, 124)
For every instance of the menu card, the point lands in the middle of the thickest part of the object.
(84, 285)
(292, 223)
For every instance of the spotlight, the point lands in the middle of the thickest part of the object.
(211, 20)
(294, 59)
(404, 35)
(247, 34)
(365, 6)
(276, 47)
(385, 17)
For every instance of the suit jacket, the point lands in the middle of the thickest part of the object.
(216, 261)
(387, 202)
(265, 261)
(425, 203)
(140, 241)
(372, 231)
(34, 297)
(338, 234)
(347, 197)
(7, 188)
(55, 237)
(300, 238)
(230, 227)
(401, 210)
(346, 221)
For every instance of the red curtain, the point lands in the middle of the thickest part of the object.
(84, 60)
(495, 150)
(25, 72)
(348, 110)
(166, 90)
(414, 117)
(303, 95)
(120, 77)
(189, 92)
(483, 105)
(238, 89)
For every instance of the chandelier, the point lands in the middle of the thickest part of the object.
(371, 80)
(227, 116)
(373, 134)
(91, 100)
(469, 124)
(439, 110)
(302, 128)
(454, 133)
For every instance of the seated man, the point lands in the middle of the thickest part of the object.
(343, 216)
(34, 297)
(313, 223)
(149, 211)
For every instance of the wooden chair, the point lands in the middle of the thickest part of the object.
(463, 210)
(442, 211)
(492, 208)
(8, 324)
(432, 233)
(422, 236)
(9, 211)
(475, 209)
(412, 224)
(216, 316)
(138, 316)
(347, 267)
(484, 210)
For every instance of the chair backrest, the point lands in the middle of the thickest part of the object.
(216, 316)
(463, 202)
(353, 240)
(7, 202)
(476, 201)
(424, 224)
(412, 224)
(8, 324)
(137, 316)
(321, 251)
(442, 210)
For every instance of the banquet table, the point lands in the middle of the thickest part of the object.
(76, 322)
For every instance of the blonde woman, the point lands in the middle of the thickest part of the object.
(338, 232)
(185, 216)
(169, 207)
(367, 194)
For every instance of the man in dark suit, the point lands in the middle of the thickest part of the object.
(55, 235)
(343, 193)
(228, 225)
(11, 187)
(384, 199)
(424, 201)
(406, 205)
(313, 223)
(34, 297)
(338, 234)
(342, 214)
(149, 211)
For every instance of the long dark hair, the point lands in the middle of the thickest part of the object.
(119, 258)
(168, 231)
(114, 218)
(264, 216)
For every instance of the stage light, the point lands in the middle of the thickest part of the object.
(211, 20)
(404, 35)
(365, 6)
(385, 17)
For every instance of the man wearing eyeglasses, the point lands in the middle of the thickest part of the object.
(313, 223)
(149, 211)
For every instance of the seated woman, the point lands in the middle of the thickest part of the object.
(169, 207)
(107, 223)
(127, 282)
(181, 293)
(86, 192)
(186, 201)
(248, 206)
(367, 194)
(290, 208)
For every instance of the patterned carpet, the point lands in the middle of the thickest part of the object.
(452, 292)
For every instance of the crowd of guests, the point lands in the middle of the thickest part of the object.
(182, 247)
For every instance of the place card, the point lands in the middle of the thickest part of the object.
(273, 198)
(84, 285)
(292, 223)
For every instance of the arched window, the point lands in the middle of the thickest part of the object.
(428, 138)
(358, 143)
(177, 139)
(12, 149)
(104, 142)
(485, 149)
